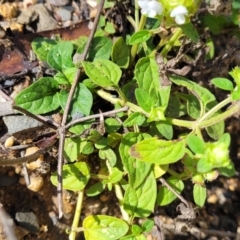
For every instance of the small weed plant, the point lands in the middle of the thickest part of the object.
(157, 120)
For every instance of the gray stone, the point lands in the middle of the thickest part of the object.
(27, 220)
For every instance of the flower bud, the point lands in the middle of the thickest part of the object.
(198, 179)
(212, 175)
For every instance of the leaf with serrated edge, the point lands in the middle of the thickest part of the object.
(199, 194)
(40, 97)
(103, 72)
(102, 227)
(158, 151)
(140, 202)
(137, 170)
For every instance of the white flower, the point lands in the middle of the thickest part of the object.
(150, 7)
(179, 14)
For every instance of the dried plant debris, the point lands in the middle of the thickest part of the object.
(187, 217)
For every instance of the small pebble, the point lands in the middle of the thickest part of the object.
(213, 199)
(9, 142)
(36, 182)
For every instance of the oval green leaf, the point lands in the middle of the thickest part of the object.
(165, 196)
(120, 53)
(102, 227)
(199, 194)
(223, 83)
(40, 97)
(139, 37)
(75, 176)
(157, 151)
(103, 72)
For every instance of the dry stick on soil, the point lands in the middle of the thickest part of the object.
(64, 120)
(46, 122)
(105, 114)
(4, 95)
(7, 224)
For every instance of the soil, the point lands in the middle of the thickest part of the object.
(217, 220)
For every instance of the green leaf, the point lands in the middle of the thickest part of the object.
(196, 144)
(216, 130)
(134, 119)
(136, 229)
(81, 102)
(95, 189)
(129, 237)
(236, 93)
(70, 74)
(112, 125)
(193, 105)
(109, 28)
(86, 147)
(214, 23)
(108, 154)
(144, 99)
(165, 129)
(103, 72)
(157, 151)
(203, 94)
(75, 176)
(223, 83)
(190, 31)
(199, 194)
(104, 227)
(228, 171)
(72, 149)
(120, 53)
(225, 139)
(137, 170)
(101, 142)
(147, 225)
(115, 176)
(147, 76)
(40, 97)
(60, 56)
(41, 47)
(81, 127)
(101, 48)
(204, 165)
(139, 37)
(165, 196)
(140, 202)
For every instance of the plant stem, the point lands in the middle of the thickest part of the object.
(77, 215)
(220, 117)
(136, 13)
(119, 195)
(135, 47)
(215, 109)
(171, 42)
